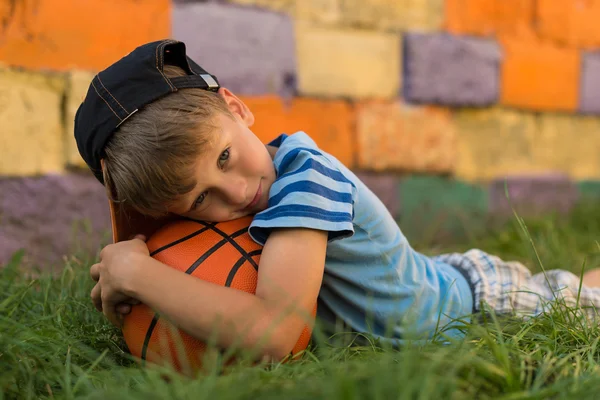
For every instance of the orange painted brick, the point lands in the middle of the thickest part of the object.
(539, 75)
(571, 22)
(269, 116)
(65, 34)
(328, 122)
(488, 17)
(396, 136)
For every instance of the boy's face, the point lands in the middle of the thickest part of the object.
(233, 174)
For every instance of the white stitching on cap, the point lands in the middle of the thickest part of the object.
(160, 46)
(99, 80)
(99, 95)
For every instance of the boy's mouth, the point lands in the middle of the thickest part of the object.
(256, 198)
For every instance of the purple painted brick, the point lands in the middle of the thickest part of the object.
(450, 70)
(533, 195)
(44, 216)
(385, 186)
(250, 50)
(589, 99)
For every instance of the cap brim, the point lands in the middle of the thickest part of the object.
(126, 222)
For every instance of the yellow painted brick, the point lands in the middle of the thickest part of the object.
(495, 142)
(396, 15)
(347, 62)
(400, 15)
(396, 136)
(30, 116)
(570, 144)
(320, 11)
(78, 84)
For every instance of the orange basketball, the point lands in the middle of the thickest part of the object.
(221, 253)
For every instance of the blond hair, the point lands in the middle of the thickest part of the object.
(150, 160)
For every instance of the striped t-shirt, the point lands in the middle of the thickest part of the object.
(374, 282)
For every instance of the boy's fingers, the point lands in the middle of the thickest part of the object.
(112, 316)
(123, 308)
(95, 272)
(96, 297)
(130, 301)
(138, 236)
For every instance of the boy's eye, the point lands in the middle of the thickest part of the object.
(223, 158)
(200, 199)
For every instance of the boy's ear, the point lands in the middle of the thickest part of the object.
(237, 106)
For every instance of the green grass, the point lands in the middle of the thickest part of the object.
(53, 344)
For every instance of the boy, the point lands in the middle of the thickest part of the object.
(167, 140)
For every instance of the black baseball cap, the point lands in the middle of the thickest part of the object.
(122, 89)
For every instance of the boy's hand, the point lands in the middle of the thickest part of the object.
(118, 268)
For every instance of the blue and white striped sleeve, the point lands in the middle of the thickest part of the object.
(310, 192)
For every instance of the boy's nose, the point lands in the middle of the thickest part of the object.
(235, 192)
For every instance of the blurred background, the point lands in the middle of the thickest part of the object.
(452, 111)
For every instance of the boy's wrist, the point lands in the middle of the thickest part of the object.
(138, 263)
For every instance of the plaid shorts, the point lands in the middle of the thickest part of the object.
(510, 288)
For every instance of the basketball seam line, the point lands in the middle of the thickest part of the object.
(239, 248)
(148, 337)
(193, 267)
(237, 266)
(190, 270)
(183, 239)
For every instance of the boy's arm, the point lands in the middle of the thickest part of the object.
(290, 275)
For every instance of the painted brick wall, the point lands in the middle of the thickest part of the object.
(30, 116)
(66, 34)
(436, 104)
